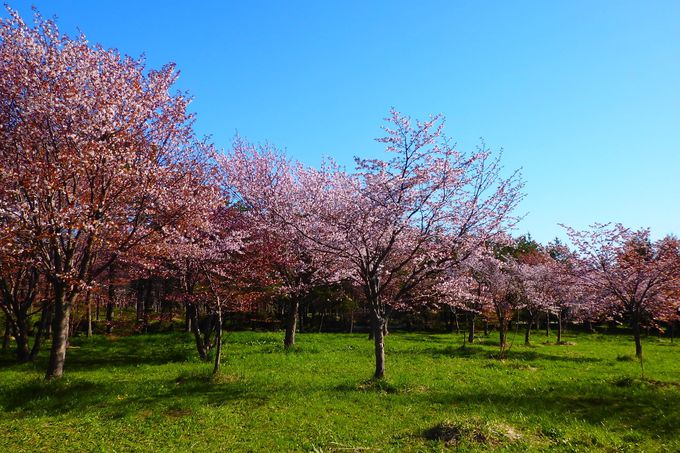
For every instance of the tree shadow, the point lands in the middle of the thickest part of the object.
(479, 351)
(646, 407)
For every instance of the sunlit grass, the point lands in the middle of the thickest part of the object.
(150, 393)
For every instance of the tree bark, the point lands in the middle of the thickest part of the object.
(379, 341)
(60, 324)
(486, 327)
(5, 338)
(547, 324)
(636, 335)
(89, 315)
(195, 328)
(527, 332)
(471, 327)
(218, 339)
(44, 321)
(21, 336)
(559, 326)
(291, 323)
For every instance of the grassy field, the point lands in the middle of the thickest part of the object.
(149, 393)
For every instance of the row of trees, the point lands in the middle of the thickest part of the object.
(102, 179)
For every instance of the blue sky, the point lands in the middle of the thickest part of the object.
(584, 95)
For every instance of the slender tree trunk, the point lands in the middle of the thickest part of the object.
(636, 334)
(291, 322)
(559, 327)
(502, 331)
(96, 311)
(471, 327)
(351, 323)
(527, 332)
(455, 318)
(379, 341)
(5, 338)
(195, 328)
(547, 324)
(89, 315)
(42, 326)
(218, 339)
(141, 285)
(109, 302)
(60, 324)
(589, 326)
(486, 327)
(148, 304)
(109, 317)
(671, 329)
(187, 318)
(21, 336)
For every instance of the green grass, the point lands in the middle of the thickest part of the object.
(149, 393)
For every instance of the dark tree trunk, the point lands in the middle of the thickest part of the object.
(195, 328)
(351, 323)
(291, 322)
(486, 327)
(547, 324)
(21, 336)
(589, 326)
(187, 317)
(378, 324)
(109, 317)
(636, 335)
(527, 332)
(89, 314)
(559, 326)
(37, 342)
(141, 285)
(218, 340)
(471, 327)
(455, 320)
(60, 324)
(148, 304)
(5, 338)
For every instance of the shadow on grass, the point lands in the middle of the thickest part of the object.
(108, 400)
(646, 408)
(481, 351)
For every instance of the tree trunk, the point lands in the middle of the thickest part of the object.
(527, 332)
(5, 338)
(37, 342)
(455, 319)
(218, 339)
(60, 323)
(378, 324)
(89, 315)
(21, 336)
(195, 328)
(148, 304)
(291, 322)
(471, 327)
(187, 318)
(559, 327)
(636, 334)
(141, 285)
(486, 327)
(547, 324)
(351, 323)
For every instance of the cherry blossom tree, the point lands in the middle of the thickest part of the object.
(395, 224)
(96, 157)
(630, 274)
(261, 180)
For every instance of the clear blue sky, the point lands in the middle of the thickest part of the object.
(584, 95)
